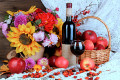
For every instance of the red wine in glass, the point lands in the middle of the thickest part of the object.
(77, 48)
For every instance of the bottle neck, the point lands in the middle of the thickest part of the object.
(68, 14)
(68, 18)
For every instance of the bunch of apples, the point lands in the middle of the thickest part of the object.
(92, 41)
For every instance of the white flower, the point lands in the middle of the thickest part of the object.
(8, 21)
(53, 39)
(39, 36)
(46, 42)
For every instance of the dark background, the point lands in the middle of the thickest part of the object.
(13, 5)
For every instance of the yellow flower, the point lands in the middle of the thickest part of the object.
(31, 10)
(37, 67)
(59, 27)
(22, 39)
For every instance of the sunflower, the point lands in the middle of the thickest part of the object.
(31, 10)
(59, 27)
(22, 39)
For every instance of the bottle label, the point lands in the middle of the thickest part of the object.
(68, 11)
(66, 52)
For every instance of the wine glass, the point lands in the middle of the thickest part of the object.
(77, 48)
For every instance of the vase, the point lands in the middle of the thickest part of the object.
(38, 55)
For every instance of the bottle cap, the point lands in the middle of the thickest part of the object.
(68, 5)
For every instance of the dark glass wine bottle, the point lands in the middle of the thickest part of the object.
(68, 28)
(68, 35)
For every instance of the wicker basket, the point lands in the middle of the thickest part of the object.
(99, 56)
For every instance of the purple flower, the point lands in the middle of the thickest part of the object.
(53, 39)
(39, 36)
(20, 19)
(46, 42)
(29, 63)
(4, 27)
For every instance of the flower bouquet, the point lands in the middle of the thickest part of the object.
(29, 30)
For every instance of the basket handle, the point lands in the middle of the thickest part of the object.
(109, 44)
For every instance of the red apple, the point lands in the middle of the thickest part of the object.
(87, 64)
(52, 60)
(16, 65)
(58, 52)
(99, 47)
(61, 62)
(103, 41)
(88, 45)
(90, 35)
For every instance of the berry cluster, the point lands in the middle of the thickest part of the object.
(34, 75)
(79, 12)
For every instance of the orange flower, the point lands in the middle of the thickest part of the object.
(47, 20)
(37, 67)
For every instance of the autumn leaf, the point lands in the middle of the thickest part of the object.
(4, 68)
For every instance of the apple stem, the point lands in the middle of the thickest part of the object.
(87, 65)
(23, 56)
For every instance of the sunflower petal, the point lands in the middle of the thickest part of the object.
(14, 29)
(10, 34)
(13, 44)
(27, 30)
(22, 27)
(32, 29)
(28, 25)
(18, 49)
(10, 12)
(11, 39)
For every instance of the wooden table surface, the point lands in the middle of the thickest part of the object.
(13, 5)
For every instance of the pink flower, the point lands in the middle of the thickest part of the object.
(42, 61)
(29, 63)
(20, 19)
(57, 16)
(49, 10)
(53, 39)
(1, 23)
(46, 42)
(57, 9)
(4, 27)
(39, 36)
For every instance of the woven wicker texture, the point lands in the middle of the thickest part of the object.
(99, 56)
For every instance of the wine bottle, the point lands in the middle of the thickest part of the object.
(68, 29)
(68, 35)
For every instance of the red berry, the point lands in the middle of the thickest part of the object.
(86, 77)
(66, 75)
(97, 78)
(75, 76)
(91, 73)
(80, 79)
(77, 73)
(24, 76)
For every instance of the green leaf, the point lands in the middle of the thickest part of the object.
(37, 22)
(47, 35)
(6, 16)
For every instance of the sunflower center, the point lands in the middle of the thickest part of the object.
(24, 39)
